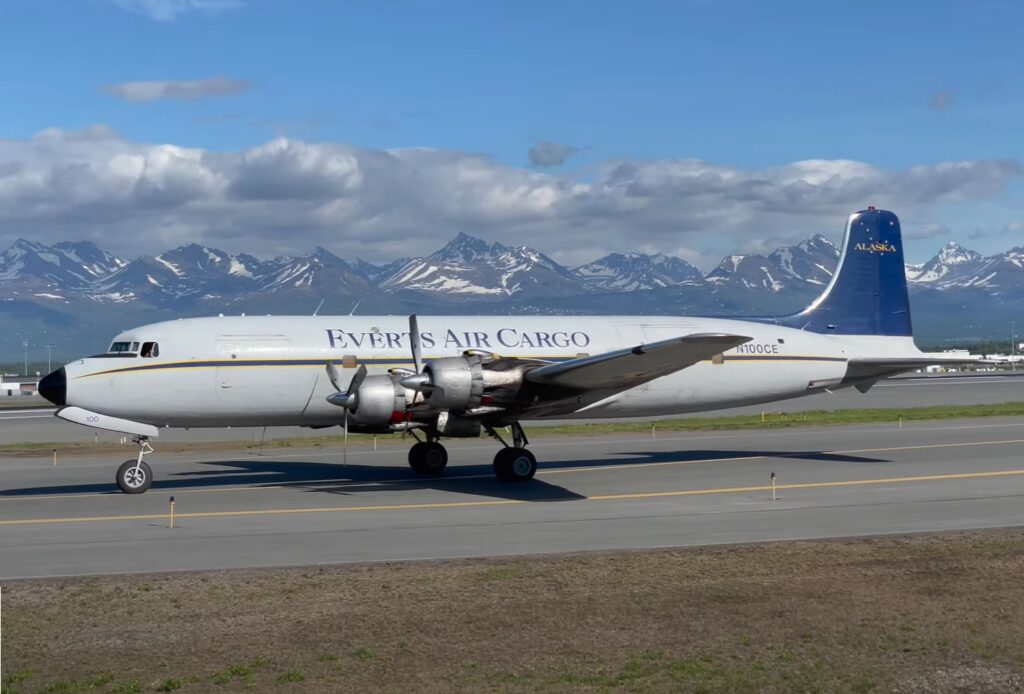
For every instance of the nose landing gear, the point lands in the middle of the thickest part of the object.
(135, 476)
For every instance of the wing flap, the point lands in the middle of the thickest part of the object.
(628, 368)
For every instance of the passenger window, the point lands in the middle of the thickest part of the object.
(150, 349)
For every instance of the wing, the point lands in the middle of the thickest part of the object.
(627, 368)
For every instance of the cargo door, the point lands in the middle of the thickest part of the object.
(260, 375)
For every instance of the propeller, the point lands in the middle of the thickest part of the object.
(418, 380)
(347, 399)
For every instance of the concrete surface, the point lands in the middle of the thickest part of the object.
(295, 507)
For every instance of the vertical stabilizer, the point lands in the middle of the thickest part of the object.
(868, 292)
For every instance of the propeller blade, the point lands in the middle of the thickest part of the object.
(345, 398)
(357, 380)
(332, 374)
(344, 445)
(414, 342)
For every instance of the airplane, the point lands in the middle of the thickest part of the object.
(441, 377)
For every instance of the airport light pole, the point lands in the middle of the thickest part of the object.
(49, 352)
(25, 345)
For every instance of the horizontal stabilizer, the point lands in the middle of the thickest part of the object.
(861, 368)
(628, 368)
(910, 363)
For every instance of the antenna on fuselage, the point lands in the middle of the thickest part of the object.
(319, 306)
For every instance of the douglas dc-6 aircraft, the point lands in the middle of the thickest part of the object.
(458, 376)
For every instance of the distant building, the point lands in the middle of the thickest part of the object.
(16, 386)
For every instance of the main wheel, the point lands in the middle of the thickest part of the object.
(515, 465)
(428, 458)
(132, 480)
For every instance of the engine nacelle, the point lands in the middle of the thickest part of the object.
(458, 426)
(458, 382)
(378, 401)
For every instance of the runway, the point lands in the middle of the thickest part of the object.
(38, 425)
(296, 507)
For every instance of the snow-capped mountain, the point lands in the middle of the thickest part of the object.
(74, 285)
(90, 257)
(318, 272)
(811, 261)
(469, 267)
(28, 268)
(953, 265)
(807, 265)
(625, 272)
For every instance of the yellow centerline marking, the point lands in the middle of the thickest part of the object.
(519, 502)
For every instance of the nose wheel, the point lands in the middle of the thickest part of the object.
(135, 476)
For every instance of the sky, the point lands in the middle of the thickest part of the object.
(381, 129)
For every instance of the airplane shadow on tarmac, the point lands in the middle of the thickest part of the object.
(352, 479)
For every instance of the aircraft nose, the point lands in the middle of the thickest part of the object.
(54, 387)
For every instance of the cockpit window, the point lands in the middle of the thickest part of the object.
(122, 347)
(150, 349)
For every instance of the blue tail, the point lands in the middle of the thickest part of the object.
(868, 292)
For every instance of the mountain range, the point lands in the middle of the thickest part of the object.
(78, 291)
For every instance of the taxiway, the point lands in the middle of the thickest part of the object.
(297, 507)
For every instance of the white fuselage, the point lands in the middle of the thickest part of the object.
(263, 371)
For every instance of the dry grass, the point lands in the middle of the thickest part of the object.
(920, 613)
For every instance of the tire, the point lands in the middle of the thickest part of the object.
(515, 465)
(131, 481)
(428, 458)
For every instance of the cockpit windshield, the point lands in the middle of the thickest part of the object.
(123, 347)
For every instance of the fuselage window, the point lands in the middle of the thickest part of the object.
(150, 349)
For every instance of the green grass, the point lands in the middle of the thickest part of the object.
(767, 420)
(291, 676)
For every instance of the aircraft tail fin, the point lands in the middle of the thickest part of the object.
(868, 291)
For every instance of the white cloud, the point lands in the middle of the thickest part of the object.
(287, 195)
(182, 90)
(166, 10)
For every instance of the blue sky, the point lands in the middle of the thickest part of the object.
(748, 88)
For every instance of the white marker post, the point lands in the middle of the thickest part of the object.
(773, 487)
(172, 513)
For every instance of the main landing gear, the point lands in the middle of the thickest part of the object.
(428, 458)
(511, 464)
(514, 463)
(135, 476)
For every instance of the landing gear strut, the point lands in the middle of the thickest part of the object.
(428, 458)
(135, 476)
(514, 463)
